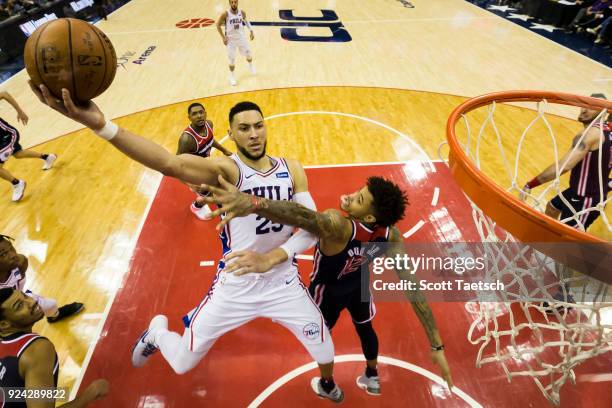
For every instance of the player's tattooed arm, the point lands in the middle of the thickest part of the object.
(419, 303)
(420, 307)
(186, 144)
(581, 145)
(329, 224)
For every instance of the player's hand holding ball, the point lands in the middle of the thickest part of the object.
(71, 54)
(88, 114)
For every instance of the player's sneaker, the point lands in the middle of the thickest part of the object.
(203, 213)
(232, 80)
(336, 395)
(49, 161)
(145, 345)
(252, 69)
(18, 190)
(549, 307)
(66, 311)
(371, 385)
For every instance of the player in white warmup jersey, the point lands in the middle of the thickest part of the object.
(232, 300)
(233, 37)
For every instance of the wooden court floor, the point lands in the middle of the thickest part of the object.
(356, 102)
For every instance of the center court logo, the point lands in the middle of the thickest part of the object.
(290, 25)
(311, 331)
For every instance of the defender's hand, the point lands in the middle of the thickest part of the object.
(88, 114)
(233, 202)
(439, 359)
(243, 262)
(224, 40)
(252, 36)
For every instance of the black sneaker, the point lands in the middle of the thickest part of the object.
(66, 311)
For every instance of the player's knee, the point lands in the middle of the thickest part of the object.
(322, 353)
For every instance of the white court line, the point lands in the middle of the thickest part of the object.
(305, 257)
(111, 300)
(414, 229)
(436, 195)
(365, 119)
(358, 357)
(207, 263)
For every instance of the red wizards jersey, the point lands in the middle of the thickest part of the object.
(343, 269)
(11, 349)
(584, 177)
(203, 143)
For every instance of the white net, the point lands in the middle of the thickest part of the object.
(550, 318)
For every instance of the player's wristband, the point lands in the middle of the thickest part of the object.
(437, 348)
(255, 203)
(109, 130)
(534, 182)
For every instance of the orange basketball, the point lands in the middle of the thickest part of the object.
(72, 54)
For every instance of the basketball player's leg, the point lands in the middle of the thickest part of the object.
(54, 313)
(219, 313)
(231, 56)
(299, 313)
(48, 158)
(245, 51)
(18, 185)
(362, 313)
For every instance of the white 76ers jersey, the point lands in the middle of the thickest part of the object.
(233, 25)
(254, 232)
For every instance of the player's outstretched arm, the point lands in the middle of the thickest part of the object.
(420, 307)
(187, 167)
(327, 224)
(567, 162)
(21, 115)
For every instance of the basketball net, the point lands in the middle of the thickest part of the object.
(549, 318)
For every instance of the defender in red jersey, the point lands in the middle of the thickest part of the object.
(589, 177)
(335, 283)
(28, 360)
(198, 139)
(13, 267)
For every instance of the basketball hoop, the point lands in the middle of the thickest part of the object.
(570, 324)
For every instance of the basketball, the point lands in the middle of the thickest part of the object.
(72, 54)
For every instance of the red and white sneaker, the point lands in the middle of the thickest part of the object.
(203, 213)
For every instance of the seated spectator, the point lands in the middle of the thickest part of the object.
(589, 16)
(4, 14)
(13, 7)
(601, 30)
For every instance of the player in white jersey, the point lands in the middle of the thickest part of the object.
(233, 37)
(231, 301)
